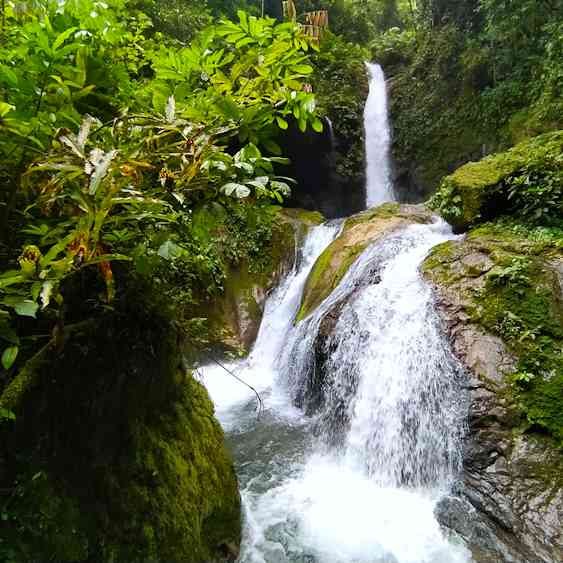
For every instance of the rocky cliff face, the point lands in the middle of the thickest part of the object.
(510, 503)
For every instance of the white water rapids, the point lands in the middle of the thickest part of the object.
(358, 480)
(379, 185)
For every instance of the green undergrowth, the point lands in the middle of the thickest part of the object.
(526, 182)
(513, 290)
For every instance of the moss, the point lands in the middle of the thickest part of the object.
(176, 494)
(326, 274)
(516, 297)
(234, 316)
(358, 232)
(308, 218)
(383, 211)
(437, 261)
(129, 442)
(476, 191)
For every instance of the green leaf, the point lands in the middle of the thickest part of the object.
(5, 108)
(7, 333)
(318, 125)
(8, 75)
(238, 190)
(169, 250)
(6, 414)
(272, 146)
(282, 123)
(62, 37)
(26, 308)
(9, 356)
(303, 69)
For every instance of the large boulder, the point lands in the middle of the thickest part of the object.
(500, 294)
(358, 232)
(115, 454)
(478, 192)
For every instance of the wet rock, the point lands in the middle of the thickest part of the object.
(235, 317)
(358, 232)
(510, 502)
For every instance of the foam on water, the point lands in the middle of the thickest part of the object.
(258, 369)
(390, 396)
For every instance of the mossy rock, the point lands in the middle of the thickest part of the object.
(358, 232)
(508, 280)
(117, 454)
(476, 192)
(302, 216)
(235, 316)
(499, 291)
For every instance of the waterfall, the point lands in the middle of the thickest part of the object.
(379, 185)
(280, 309)
(330, 133)
(357, 480)
(389, 380)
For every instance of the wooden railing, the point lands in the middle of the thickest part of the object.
(315, 24)
(289, 10)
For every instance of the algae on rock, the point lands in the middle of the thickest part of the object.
(357, 233)
(117, 454)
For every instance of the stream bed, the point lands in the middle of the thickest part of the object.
(358, 480)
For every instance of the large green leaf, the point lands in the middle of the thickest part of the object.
(9, 356)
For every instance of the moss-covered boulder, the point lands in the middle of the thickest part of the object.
(500, 291)
(235, 316)
(479, 191)
(115, 454)
(357, 233)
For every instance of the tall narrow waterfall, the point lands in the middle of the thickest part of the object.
(379, 186)
(358, 481)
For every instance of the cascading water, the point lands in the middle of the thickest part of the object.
(379, 186)
(259, 368)
(357, 481)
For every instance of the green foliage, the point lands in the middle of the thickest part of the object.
(525, 181)
(341, 85)
(536, 192)
(394, 48)
(235, 72)
(469, 79)
(515, 274)
(102, 177)
(356, 21)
